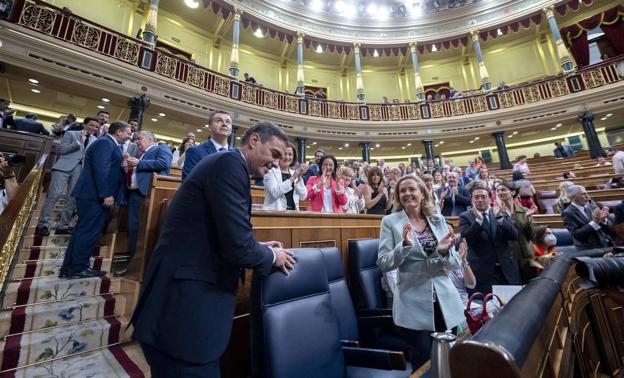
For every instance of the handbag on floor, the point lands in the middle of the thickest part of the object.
(476, 319)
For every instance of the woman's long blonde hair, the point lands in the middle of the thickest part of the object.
(426, 206)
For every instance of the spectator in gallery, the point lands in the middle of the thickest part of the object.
(326, 194)
(521, 165)
(249, 79)
(602, 162)
(502, 86)
(563, 201)
(29, 124)
(617, 159)
(63, 124)
(562, 151)
(321, 94)
(6, 114)
(283, 185)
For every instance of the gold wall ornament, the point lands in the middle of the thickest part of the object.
(37, 17)
(413, 111)
(222, 86)
(291, 104)
(394, 112)
(458, 108)
(270, 99)
(196, 77)
(375, 112)
(86, 36)
(531, 94)
(315, 108)
(333, 110)
(165, 65)
(593, 78)
(506, 99)
(479, 104)
(437, 110)
(558, 87)
(353, 111)
(248, 94)
(127, 51)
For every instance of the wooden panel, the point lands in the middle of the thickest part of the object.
(279, 234)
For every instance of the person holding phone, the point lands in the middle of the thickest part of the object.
(326, 195)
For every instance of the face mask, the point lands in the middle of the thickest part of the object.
(551, 240)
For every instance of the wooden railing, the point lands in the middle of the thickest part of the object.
(14, 219)
(50, 20)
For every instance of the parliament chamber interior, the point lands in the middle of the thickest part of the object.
(312, 188)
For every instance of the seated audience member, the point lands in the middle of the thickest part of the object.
(179, 155)
(488, 231)
(602, 162)
(453, 199)
(6, 114)
(479, 164)
(617, 159)
(537, 154)
(569, 175)
(462, 180)
(376, 193)
(355, 198)
(418, 243)
(589, 224)
(544, 246)
(313, 168)
(522, 219)
(249, 79)
(283, 186)
(152, 158)
(438, 180)
(526, 192)
(325, 194)
(471, 170)
(220, 127)
(463, 277)
(562, 151)
(616, 182)
(29, 124)
(521, 165)
(8, 183)
(64, 176)
(62, 124)
(563, 200)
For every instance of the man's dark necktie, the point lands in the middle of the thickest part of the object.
(86, 142)
(486, 223)
(222, 149)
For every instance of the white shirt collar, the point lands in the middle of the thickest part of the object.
(579, 207)
(114, 140)
(217, 145)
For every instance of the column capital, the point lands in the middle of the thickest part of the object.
(238, 13)
(498, 133)
(549, 11)
(302, 139)
(300, 36)
(365, 144)
(586, 116)
(474, 35)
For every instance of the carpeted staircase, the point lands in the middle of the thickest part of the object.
(53, 327)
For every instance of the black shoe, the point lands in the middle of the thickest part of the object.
(63, 274)
(42, 231)
(63, 231)
(87, 273)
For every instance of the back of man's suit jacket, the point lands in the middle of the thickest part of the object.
(156, 160)
(102, 175)
(189, 296)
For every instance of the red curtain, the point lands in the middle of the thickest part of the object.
(580, 49)
(615, 35)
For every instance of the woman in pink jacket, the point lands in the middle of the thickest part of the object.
(325, 194)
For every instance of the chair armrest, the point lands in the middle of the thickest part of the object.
(350, 343)
(379, 321)
(374, 311)
(374, 358)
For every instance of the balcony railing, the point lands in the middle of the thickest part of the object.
(50, 20)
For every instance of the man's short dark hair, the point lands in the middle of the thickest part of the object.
(71, 116)
(117, 126)
(480, 186)
(89, 119)
(133, 120)
(266, 131)
(2, 100)
(214, 114)
(103, 111)
(31, 116)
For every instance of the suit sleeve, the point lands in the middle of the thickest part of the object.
(310, 188)
(462, 198)
(509, 230)
(100, 155)
(43, 130)
(191, 159)
(226, 190)
(161, 163)
(580, 232)
(69, 144)
(275, 189)
(391, 252)
(300, 189)
(469, 229)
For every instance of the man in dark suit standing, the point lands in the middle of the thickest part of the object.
(563, 151)
(313, 169)
(453, 199)
(96, 191)
(588, 224)
(220, 127)
(152, 158)
(6, 114)
(29, 124)
(487, 231)
(184, 316)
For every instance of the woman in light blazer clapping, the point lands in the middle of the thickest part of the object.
(418, 243)
(284, 186)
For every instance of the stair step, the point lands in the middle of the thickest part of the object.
(45, 241)
(45, 344)
(52, 267)
(44, 315)
(51, 289)
(105, 362)
(42, 253)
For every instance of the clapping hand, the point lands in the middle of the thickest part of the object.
(408, 238)
(300, 171)
(446, 243)
(463, 251)
(340, 189)
(284, 260)
(478, 215)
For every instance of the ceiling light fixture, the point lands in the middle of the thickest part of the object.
(314, 143)
(346, 144)
(199, 130)
(193, 4)
(403, 147)
(258, 33)
(499, 32)
(409, 144)
(553, 128)
(206, 126)
(371, 9)
(416, 10)
(306, 146)
(35, 90)
(515, 132)
(340, 148)
(319, 49)
(441, 142)
(105, 100)
(154, 119)
(237, 138)
(377, 145)
(558, 125)
(375, 54)
(383, 13)
(317, 5)
(603, 118)
(434, 48)
(33, 81)
(609, 115)
(472, 141)
(476, 138)
(350, 11)
(162, 114)
(101, 107)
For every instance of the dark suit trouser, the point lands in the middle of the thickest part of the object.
(135, 198)
(164, 366)
(59, 182)
(86, 235)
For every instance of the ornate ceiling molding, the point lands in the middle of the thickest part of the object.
(430, 27)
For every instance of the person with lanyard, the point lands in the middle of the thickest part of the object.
(417, 244)
(283, 186)
(325, 194)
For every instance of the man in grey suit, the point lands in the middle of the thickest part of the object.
(65, 173)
